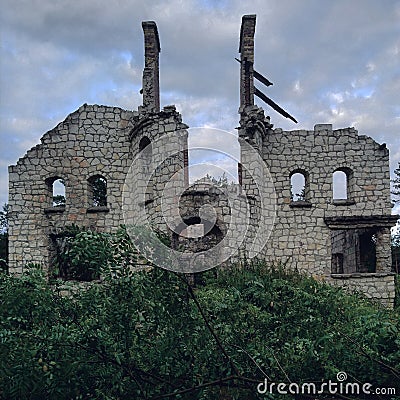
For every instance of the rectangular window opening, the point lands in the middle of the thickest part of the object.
(353, 251)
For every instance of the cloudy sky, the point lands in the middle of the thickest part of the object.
(331, 61)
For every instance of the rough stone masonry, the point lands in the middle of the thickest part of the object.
(344, 241)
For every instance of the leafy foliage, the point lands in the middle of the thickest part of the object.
(3, 251)
(58, 187)
(396, 185)
(149, 335)
(298, 196)
(59, 200)
(99, 191)
(221, 180)
(396, 250)
(396, 235)
(83, 254)
(4, 218)
(397, 289)
(4, 238)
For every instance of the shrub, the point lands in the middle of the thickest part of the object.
(84, 254)
(146, 334)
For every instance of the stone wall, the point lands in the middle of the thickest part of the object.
(317, 232)
(301, 237)
(380, 287)
(344, 245)
(94, 140)
(205, 217)
(164, 179)
(137, 153)
(142, 156)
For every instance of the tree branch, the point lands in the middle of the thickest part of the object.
(209, 327)
(217, 382)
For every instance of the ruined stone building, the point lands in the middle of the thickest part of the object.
(345, 241)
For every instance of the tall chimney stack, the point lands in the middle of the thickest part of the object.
(246, 50)
(151, 85)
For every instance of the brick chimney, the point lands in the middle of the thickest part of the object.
(151, 85)
(246, 50)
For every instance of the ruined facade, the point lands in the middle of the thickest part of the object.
(345, 241)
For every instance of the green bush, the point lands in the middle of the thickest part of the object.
(148, 334)
(84, 254)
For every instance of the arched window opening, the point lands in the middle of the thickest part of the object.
(144, 143)
(97, 191)
(298, 187)
(56, 192)
(196, 235)
(145, 157)
(146, 152)
(340, 185)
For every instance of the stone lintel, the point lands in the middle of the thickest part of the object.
(300, 204)
(195, 192)
(354, 221)
(361, 275)
(343, 202)
(97, 209)
(54, 210)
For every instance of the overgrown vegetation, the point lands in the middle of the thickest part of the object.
(99, 191)
(83, 254)
(221, 180)
(149, 335)
(4, 238)
(395, 191)
(396, 185)
(396, 250)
